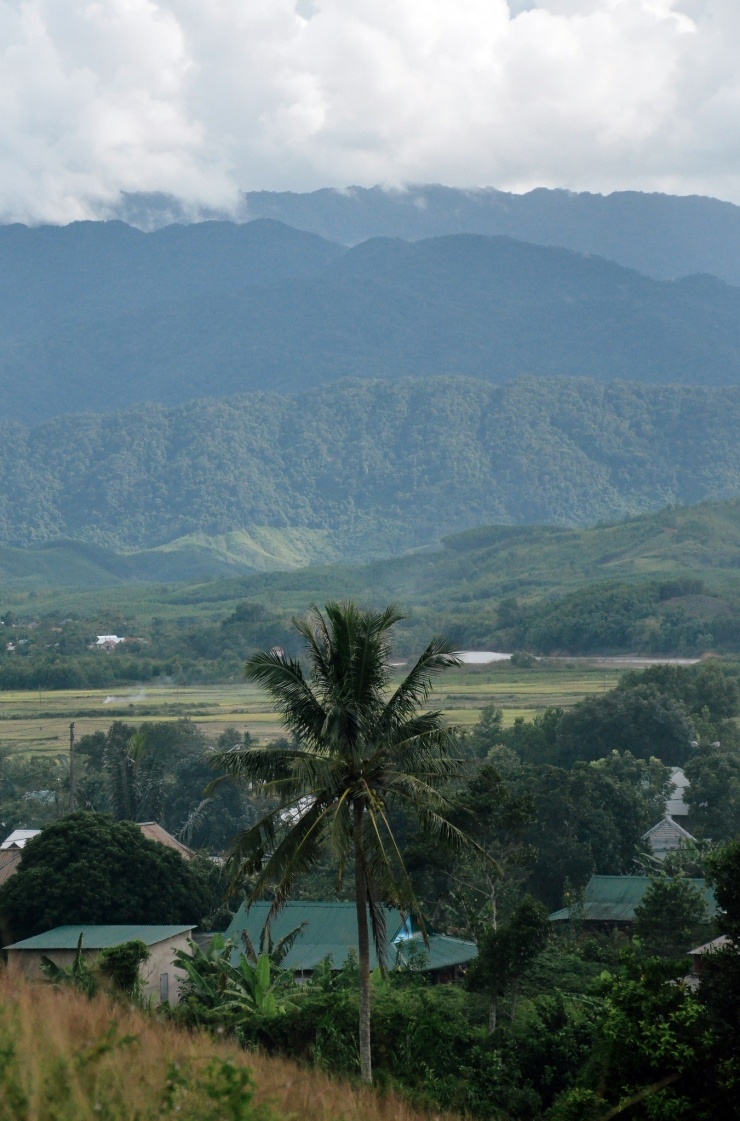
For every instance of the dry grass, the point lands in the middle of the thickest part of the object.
(66, 1058)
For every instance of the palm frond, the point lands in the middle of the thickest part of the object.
(282, 678)
(416, 687)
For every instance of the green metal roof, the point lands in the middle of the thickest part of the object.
(614, 898)
(331, 932)
(98, 937)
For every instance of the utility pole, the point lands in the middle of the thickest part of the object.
(72, 783)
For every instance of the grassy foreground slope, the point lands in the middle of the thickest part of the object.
(66, 1057)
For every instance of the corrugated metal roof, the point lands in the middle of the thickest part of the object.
(331, 931)
(614, 898)
(443, 952)
(18, 838)
(98, 937)
(153, 831)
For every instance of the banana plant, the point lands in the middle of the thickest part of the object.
(77, 974)
(249, 987)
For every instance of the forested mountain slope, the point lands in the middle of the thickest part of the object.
(377, 467)
(88, 271)
(664, 236)
(491, 308)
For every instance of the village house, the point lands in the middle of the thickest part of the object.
(665, 837)
(161, 981)
(609, 902)
(330, 931)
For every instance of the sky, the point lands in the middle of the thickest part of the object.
(203, 99)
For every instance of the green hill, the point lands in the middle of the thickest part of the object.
(362, 469)
(477, 568)
(666, 582)
(659, 235)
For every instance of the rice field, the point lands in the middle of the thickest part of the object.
(38, 722)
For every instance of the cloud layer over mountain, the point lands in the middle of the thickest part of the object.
(202, 100)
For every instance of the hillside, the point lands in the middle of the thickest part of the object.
(479, 567)
(56, 275)
(664, 236)
(666, 582)
(363, 469)
(490, 308)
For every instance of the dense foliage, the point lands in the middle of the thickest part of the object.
(407, 462)
(659, 235)
(87, 868)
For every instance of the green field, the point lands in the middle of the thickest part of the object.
(38, 722)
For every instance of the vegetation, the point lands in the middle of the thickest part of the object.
(508, 588)
(86, 868)
(356, 755)
(68, 1058)
(490, 308)
(550, 1024)
(660, 235)
(251, 482)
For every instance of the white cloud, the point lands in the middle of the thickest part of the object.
(203, 99)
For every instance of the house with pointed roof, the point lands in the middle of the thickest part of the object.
(666, 836)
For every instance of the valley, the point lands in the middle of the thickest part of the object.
(37, 722)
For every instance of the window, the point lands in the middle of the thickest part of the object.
(164, 986)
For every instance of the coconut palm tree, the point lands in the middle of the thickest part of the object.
(359, 751)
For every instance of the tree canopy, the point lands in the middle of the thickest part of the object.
(87, 868)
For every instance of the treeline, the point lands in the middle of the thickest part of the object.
(55, 653)
(674, 617)
(405, 464)
(657, 617)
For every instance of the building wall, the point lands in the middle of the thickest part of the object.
(28, 963)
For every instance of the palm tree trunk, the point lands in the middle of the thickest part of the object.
(363, 940)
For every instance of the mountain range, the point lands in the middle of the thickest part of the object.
(101, 317)
(664, 236)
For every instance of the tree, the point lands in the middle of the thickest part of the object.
(714, 792)
(506, 952)
(640, 720)
(357, 754)
(720, 978)
(648, 1059)
(86, 868)
(587, 819)
(670, 917)
(501, 815)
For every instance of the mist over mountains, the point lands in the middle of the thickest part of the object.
(663, 236)
(369, 468)
(260, 395)
(102, 317)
